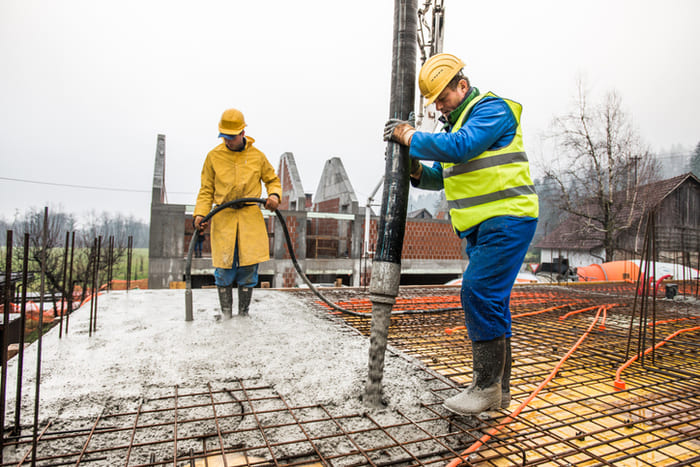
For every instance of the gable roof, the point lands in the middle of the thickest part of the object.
(335, 184)
(421, 213)
(572, 235)
(292, 189)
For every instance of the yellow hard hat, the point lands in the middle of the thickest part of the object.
(436, 73)
(232, 122)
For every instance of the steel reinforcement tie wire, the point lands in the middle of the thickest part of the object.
(290, 249)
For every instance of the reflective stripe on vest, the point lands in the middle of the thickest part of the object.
(494, 183)
(478, 164)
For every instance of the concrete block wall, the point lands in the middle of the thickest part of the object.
(165, 245)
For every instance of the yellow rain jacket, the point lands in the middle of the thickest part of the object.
(228, 175)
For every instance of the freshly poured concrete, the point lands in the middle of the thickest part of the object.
(143, 348)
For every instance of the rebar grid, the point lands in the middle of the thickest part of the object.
(579, 418)
(246, 424)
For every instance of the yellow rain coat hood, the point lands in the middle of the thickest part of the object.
(228, 175)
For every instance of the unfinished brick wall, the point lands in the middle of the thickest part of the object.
(289, 277)
(189, 231)
(286, 182)
(323, 235)
(430, 239)
(292, 223)
(424, 239)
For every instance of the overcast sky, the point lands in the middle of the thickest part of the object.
(86, 86)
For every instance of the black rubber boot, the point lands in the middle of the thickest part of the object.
(484, 393)
(244, 296)
(505, 379)
(226, 301)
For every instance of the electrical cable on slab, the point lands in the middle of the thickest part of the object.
(619, 384)
(290, 249)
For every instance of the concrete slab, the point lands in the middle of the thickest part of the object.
(143, 348)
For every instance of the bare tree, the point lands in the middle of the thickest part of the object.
(600, 163)
(85, 253)
(58, 223)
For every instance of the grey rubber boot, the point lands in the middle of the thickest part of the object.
(244, 296)
(505, 379)
(226, 301)
(484, 393)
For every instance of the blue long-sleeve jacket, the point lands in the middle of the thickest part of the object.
(491, 125)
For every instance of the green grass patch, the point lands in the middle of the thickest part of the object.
(139, 265)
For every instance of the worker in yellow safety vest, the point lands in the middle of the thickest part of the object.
(480, 162)
(233, 170)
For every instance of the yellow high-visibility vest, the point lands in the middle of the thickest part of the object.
(494, 183)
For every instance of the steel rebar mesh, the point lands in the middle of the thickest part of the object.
(579, 418)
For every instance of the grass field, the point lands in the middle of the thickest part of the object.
(139, 265)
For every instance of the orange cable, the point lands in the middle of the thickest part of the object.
(449, 331)
(561, 318)
(656, 323)
(619, 384)
(530, 313)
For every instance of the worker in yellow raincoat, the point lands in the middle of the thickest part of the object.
(236, 169)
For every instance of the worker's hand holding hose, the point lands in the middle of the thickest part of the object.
(272, 202)
(198, 224)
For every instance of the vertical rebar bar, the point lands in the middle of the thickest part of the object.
(23, 324)
(637, 295)
(71, 286)
(94, 291)
(655, 258)
(44, 246)
(97, 282)
(110, 263)
(4, 338)
(386, 267)
(129, 249)
(649, 287)
(63, 281)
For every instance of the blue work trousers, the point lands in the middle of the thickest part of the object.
(496, 250)
(244, 276)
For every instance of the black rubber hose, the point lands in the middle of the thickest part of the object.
(290, 249)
